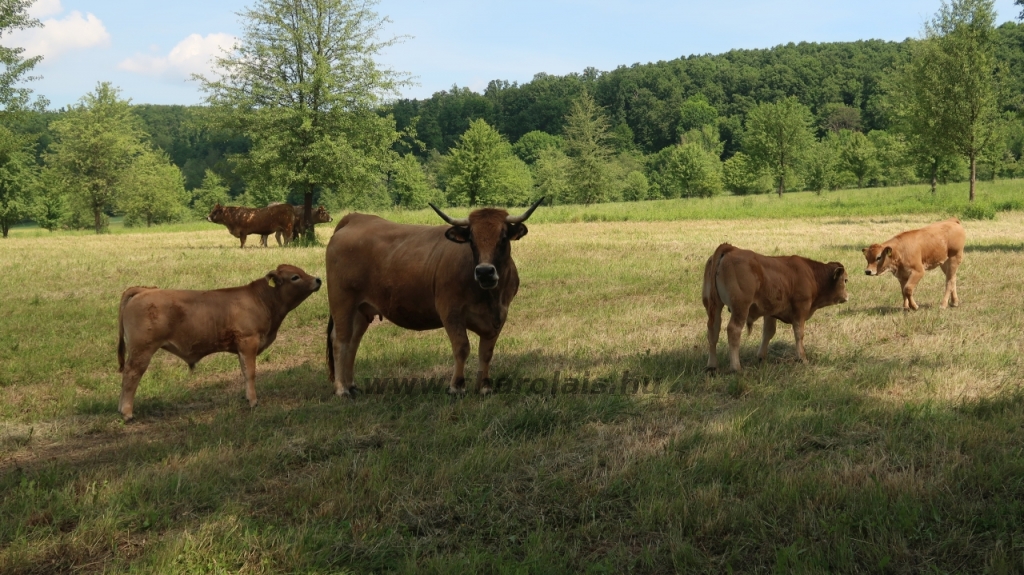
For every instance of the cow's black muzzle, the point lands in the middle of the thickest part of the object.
(486, 276)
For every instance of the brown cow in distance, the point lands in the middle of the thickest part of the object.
(910, 254)
(778, 288)
(459, 277)
(242, 222)
(194, 324)
(320, 216)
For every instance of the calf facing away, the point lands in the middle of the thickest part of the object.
(778, 288)
(194, 324)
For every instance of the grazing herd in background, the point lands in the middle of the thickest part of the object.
(462, 277)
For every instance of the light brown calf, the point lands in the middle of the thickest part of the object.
(784, 288)
(194, 324)
(910, 254)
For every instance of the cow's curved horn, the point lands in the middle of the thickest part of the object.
(525, 215)
(463, 222)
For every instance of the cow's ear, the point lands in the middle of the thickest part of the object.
(273, 280)
(886, 252)
(838, 273)
(864, 251)
(457, 234)
(517, 231)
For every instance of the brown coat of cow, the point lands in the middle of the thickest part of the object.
(910, 254)
(320, 216)
(784, 288)
(194, 324)
(460, 277)
(242, 222)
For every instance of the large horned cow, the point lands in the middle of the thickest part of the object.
(459, 277)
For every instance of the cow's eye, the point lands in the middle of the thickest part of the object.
(295, 278)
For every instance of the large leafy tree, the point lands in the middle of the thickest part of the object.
(16, 68)
(586, 145)
(154, 192)
(95, 149)
(303, 85)
(482, 169)
(777, 137)
(17, 178)
(963, 32)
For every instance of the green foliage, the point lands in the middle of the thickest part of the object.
(303, 85)
(978, 212)
(894, 163)
(551, 176)
(18, 174)
(777, 136)
(686, 171)
(482, 170)
(695, 113)
(586, 145)
(96, 145)
(857, 155)
(529, 147)
(262, 195)
(742, 176)
(210, 193)
(408, 185)
(821, 166)
(14, 15)
(837, 117)
(636, 187)
(154, 192)
(50, 209)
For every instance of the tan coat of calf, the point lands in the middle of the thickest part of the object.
(194, 324)
(910, 254)
(781, 288)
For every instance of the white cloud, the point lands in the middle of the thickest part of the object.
(44, 8)
(57, 36)
(193, 55)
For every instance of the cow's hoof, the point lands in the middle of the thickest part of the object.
(349, 393)
(253, 403)
(127, 418)
(457, 391)
(486, 391)
(712, 371)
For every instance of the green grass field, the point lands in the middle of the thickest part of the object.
(897, 449)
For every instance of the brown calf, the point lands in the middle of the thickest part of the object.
(784, 288)
(909, 254)
(194, 324)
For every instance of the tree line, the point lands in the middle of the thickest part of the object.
(302, 112)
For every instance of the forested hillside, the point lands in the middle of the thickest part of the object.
(693, 126)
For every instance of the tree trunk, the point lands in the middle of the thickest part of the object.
(98, 216)
(6, 227)
(974, 175)
(307, 213)
(935, 174)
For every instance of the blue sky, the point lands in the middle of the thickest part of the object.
(149, 48)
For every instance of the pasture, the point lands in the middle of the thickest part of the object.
(897, 449)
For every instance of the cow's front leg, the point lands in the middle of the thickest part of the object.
(486, 353)
(767, 333)
(798, 335)
(460, 349)
(247, 361)
(908, 289)
(714, 329)
(263, 239)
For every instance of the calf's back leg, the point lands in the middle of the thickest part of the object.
(134, 369)
(949, 267)
(737, 320)
(767, 333)
(714, 329)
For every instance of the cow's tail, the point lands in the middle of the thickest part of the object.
(330, 348)
(712, 299)
(125, 298)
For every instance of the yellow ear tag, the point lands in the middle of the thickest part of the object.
(271, 282)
